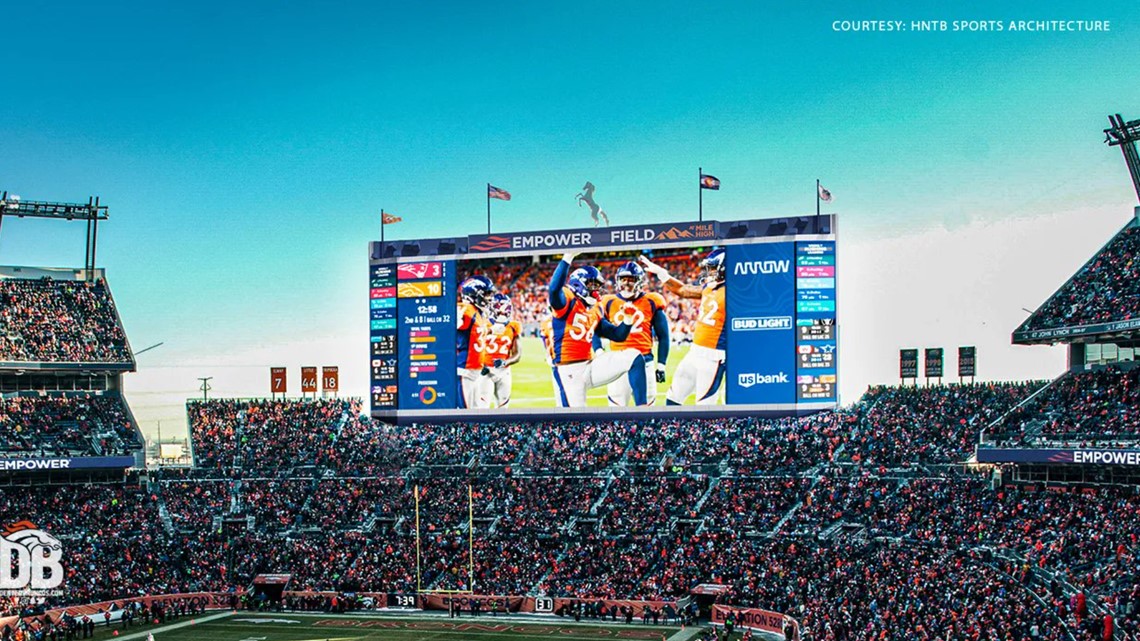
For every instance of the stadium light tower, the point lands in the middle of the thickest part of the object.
(92, 212)
(1125, 135)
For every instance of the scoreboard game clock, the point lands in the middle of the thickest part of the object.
(401, 601)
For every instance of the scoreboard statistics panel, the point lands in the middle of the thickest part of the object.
(817, 339)
(426, 313)
(755, 331)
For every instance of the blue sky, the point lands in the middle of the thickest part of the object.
(245, 149)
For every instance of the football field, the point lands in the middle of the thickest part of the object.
(532, 385)
(328, 627)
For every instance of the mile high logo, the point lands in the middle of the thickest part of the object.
(692, 231)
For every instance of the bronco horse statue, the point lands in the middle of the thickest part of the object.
(587, 196)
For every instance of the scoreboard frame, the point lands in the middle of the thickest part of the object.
(749, 240)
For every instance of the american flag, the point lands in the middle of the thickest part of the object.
(709, 182)
(824, 195)
(390, 219)
(495, 192)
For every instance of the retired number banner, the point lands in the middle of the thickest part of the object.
(277, 380)
(308, 380)
(330, 378)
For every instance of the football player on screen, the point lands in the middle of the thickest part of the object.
(474, 299)
(647, 309)
(701, 371)
(546, 333)
(500, 348)
(573, 298)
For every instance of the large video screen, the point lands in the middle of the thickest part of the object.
(615, 321)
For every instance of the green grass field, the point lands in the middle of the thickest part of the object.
(531, 377)
(321, 627)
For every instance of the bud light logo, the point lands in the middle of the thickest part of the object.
(761, 323)
(749, 379)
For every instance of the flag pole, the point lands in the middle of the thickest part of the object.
(470, 540)
(382, 248)
(817, 197)
(488, 208)
(700, 196)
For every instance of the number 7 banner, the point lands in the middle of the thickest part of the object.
(277, 380)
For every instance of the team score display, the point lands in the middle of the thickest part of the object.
(422, 289)
(591, 330)
(384, 345)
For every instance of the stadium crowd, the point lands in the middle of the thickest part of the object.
(66, 424)
(820, 517)
(1107, 288)
(904, 425)
(59, 321)
(1090, 406)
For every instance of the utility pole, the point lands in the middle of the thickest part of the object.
(206, 387)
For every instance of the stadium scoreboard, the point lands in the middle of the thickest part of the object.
(755, 333)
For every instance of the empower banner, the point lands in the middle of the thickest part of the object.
(584, 239)
(1079, 456)
(64, 463)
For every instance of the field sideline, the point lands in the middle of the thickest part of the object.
(245, 626)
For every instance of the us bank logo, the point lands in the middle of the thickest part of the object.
(30, 561)
(749, 379)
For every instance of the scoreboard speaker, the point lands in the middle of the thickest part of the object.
(738, 230)
(410, 249)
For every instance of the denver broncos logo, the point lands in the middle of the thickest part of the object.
(34, 539)
(18, 526)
